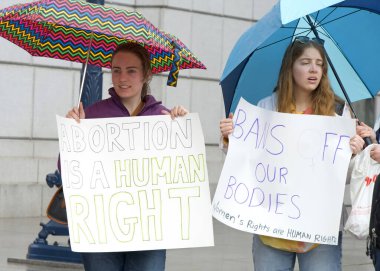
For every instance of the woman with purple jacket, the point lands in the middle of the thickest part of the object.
(131, 74)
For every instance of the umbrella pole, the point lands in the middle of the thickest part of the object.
(85, 70)
(340, 84)
(315, 32)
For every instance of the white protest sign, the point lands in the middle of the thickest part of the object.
(284, 174)
(136, 183)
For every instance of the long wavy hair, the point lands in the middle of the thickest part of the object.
(143, 55)
(323, 98)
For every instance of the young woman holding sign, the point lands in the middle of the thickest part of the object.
(303, 87)
(131, 74)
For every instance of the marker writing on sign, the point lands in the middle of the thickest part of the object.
(262, 135)
(255, 196)
(106, 137)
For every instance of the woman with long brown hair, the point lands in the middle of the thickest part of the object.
(303, 87)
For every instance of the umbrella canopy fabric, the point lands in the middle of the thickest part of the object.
(294, 9)
(64, 29)
(352, 37)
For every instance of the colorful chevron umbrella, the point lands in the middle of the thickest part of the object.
(65, 29)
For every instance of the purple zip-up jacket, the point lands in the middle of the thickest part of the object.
(113, 107)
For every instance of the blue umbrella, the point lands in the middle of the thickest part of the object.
(351, 33)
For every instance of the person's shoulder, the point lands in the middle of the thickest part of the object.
(153, 106)
(99, 104)
(265, 100)
(268, 102)
(97, 109)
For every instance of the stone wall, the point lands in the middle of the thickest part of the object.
(34, 90)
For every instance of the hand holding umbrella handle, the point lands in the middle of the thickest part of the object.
(367, 141)
(76, 113)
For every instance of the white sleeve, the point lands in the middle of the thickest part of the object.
(269, 103)
(346, 111)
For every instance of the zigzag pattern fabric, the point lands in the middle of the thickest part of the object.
(173, 74)
(62, 29)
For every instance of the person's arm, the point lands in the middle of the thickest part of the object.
(226, 127)
(356, 144)
(364, 130)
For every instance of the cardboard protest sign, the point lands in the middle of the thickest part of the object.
(136, 183)
(284, 174)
